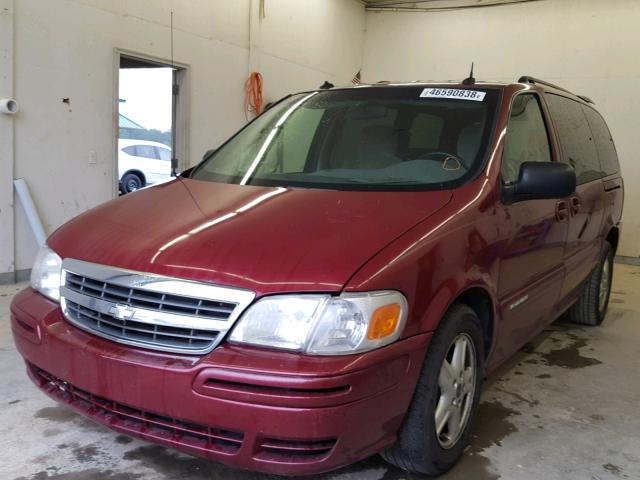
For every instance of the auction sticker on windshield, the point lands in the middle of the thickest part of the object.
(455, 93)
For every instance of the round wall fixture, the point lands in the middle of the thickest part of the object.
(9, 106)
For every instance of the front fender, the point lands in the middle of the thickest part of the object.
(435, 262)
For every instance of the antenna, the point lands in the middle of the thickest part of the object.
(469, 80)
(174, 105)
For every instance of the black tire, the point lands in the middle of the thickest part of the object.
(418, 448)
(590, 309)
(131, 182)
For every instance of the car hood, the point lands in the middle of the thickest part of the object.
(262, 238)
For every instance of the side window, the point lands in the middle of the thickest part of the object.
(163, 153)
(604, 143)
(526, 139)
(130, 150)
(575, 137)
(146, 151)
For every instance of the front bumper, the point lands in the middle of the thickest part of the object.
(268, 411)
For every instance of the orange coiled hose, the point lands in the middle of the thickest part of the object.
(253, 93)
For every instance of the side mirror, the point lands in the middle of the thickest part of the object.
(541, 180)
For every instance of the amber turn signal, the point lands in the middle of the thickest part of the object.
(384, 321)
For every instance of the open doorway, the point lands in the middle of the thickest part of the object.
(149, 134)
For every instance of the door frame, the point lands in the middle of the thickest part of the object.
(182, 109)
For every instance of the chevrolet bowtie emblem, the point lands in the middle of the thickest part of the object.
(122, 312)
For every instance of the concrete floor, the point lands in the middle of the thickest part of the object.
(566, 407)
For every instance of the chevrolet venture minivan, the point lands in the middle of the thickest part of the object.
(336, 279)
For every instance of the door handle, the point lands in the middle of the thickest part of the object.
(575, 205)
(562, 210)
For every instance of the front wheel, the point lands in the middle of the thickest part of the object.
(438, 424)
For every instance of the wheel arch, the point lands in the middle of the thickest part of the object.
(478, 297)
(613, 237)
(480, 301)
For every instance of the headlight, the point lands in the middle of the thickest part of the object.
(45, 274)
(322, 324)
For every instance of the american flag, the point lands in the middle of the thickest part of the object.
(356, 79)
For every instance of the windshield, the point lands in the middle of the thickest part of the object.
(380, 138)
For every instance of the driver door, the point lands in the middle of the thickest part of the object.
(533, 233)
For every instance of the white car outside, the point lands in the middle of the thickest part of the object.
(142, 163)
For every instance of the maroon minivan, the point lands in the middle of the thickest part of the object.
(336, 279)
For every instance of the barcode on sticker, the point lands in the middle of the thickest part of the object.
(455, 93)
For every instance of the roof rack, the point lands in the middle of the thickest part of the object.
(586, 99)
(529, 79)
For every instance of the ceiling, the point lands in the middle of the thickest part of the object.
(435, 5)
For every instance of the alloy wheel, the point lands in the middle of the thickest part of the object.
(456, 385)
(605, 284)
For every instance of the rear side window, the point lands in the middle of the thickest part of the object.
(604, 143)
(130, 150)
(575, 137)
(146, 151)
(163, 153)
(527, 139)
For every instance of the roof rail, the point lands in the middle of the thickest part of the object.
(528, 79)
(586, 99)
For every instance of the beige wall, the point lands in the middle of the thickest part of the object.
(66, 48)
(588, 46)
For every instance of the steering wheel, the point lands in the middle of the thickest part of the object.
(449, 160)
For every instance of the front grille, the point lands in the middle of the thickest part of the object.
(137, 297)
(158, 335)
(150, 311)
(139, 421)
